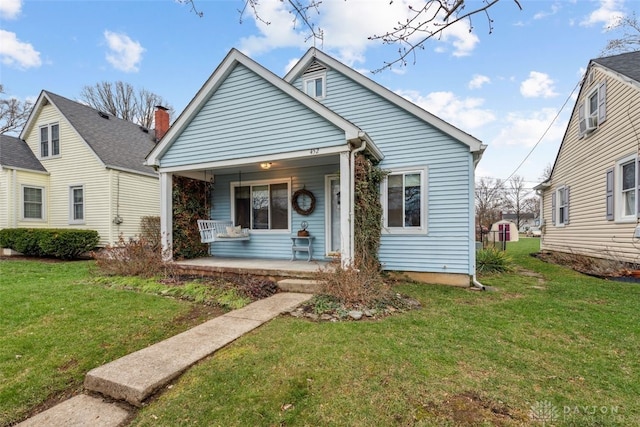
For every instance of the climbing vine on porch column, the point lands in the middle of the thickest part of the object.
(367, 211)
(189, 205)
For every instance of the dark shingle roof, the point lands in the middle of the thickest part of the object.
(14, 152)
(120, 144)
(625, 63)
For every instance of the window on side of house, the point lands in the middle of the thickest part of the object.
(32, 203)
(592, 112)
(404, 197)
(560, 206)
(625, 191)
(315, 85)
(49, 140)
(76, 204)
(261, 205)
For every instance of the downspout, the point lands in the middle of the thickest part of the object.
(475, 282)
(352, 196)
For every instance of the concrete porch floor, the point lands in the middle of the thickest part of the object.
(274, 268)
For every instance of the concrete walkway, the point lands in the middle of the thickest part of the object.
(135, 377)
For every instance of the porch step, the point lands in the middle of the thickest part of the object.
(305, 286)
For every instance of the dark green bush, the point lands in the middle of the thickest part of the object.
(492, 260)
(59, 243)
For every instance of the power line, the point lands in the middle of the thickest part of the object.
(546, 130)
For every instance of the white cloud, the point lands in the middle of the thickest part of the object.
(538, 85)
(124, 54)
(10, 9)
(17, 53)
(465, 114)
(525, 129)
(554, 9)
(608, 14)
(478, 81)
(346, 26)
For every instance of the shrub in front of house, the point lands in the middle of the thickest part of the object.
(492, 260)
(51, 242)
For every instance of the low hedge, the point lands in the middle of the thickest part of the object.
(53, 242)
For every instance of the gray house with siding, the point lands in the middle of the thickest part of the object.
(270, 144)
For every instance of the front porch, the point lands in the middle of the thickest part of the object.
(272, 268)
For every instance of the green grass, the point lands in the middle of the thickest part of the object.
(466, 358)
(56, 324)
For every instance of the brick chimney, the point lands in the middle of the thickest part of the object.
(162, 121)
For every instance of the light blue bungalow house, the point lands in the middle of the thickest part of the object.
(280, 151)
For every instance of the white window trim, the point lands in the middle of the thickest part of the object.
(560, 218)
(424, 174)
(49, 142)
(232, 191)
(314, 76)
(617, 190)
(44, 204)
(84, 205)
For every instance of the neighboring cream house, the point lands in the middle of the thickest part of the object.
(76, 167)
(590, 203)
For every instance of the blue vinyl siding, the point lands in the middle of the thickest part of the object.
(247, 116)
(274, 244)
(407, 141)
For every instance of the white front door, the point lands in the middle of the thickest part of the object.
(332, 220)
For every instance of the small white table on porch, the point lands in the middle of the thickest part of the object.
(301, 244)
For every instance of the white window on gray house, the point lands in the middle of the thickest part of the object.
(32, 203)
(560, 206)
(623, 190)
(314, 86)
(261, 205)
(404, 196)
(592, 112)
(50, 140)
(76, 204)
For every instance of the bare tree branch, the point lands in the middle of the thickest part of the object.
(121, 100)
(630, 39)
(13, 113)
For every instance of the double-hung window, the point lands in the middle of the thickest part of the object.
(560, 206)
(49, 140)
(314, 85)
(592, 111)
(623, 190)
(76, 204)
(261, 205)
(404, 201)
(32, 203)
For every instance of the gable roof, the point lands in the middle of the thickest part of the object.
(234, 57)
(626, 64)
(118, 144)
(15, 153)
(316, 55)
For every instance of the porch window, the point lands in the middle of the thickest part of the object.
(404, 199)
(261, 205)
(32, 203)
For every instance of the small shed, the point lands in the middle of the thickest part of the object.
(504, 231)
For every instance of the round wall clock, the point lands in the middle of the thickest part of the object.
(303, 201)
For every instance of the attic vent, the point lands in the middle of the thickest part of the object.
(315, 67)
(103, 115)
(144, 129)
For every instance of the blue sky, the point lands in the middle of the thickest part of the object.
(504, 88)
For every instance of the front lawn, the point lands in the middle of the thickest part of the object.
(550, 343)
(56, 324)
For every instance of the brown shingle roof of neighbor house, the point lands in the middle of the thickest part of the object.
(118, 143)
(15, 153)
(627, 64)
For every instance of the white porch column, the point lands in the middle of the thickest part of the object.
(166, 215)
(346, 250)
